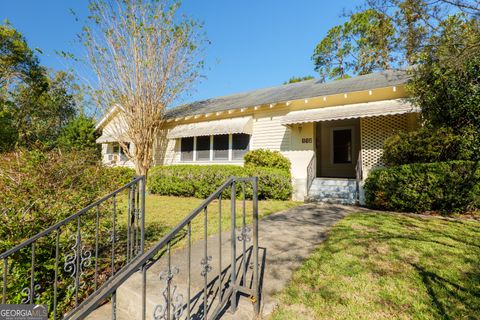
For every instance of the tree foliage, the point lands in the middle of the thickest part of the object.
(298, 79)
(34, 104)
(361, 45)
(79, 134)
(382, 34)
(145, 55)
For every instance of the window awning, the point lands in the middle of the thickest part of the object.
(109, 138)
(350, 111)
(207, 128)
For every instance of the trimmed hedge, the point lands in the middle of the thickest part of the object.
(202, 180)
(266, 158)
(446, 187)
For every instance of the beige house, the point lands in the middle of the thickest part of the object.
(333, 133)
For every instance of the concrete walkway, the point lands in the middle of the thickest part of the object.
(286, 239)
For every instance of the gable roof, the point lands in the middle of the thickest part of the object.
(300, 90)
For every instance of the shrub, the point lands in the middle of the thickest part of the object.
(428, 144)
(38, 189)
(446, 187)
(201, 181)
(266, 158)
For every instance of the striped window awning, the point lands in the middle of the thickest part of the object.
(216, 127)
(350, 111)
(110, 137)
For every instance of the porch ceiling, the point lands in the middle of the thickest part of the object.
(350, 111)
(207, 128)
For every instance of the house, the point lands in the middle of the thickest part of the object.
(333, 133)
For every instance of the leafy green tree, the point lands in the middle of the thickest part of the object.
(298, 79)
(34, 104)
(79, 134)
(331, 55)
(359, 46)
(18, 62)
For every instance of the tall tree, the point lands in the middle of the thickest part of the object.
(331, 55)
(145, 56)
(359, 46)
(34, 104)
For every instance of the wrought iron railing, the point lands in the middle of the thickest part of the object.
(311, 172)
(359, 174)
(73, 259)
(222, 280)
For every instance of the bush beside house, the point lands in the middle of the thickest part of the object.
(452, 186)
(266, 158)
(201, 181)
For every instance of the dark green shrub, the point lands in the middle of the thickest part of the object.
(266, 158)
(427, 145)
(452, 186)
(202, 180)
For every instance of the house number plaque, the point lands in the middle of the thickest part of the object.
(306, 140)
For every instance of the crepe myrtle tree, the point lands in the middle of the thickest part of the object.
(145, 55)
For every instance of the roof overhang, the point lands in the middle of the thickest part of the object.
(350, 111)
(207, 128)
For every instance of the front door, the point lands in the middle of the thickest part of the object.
(338, 143)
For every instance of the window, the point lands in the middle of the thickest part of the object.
(203, 148)
(240, 145)
(117, 149)
(186, 149)
(342, 145)
(220, 147)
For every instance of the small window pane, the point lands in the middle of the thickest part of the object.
(240, 145)
(186, 153)
(342, 146)
(203, 148)
(220, 147)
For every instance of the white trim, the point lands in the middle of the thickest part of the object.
(211, 148)
(194, 149)
(230, 145)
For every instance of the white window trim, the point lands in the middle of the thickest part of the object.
(212, 160)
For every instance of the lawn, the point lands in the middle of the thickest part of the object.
(165, 212)
(389, 266)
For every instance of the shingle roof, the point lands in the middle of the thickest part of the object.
(294, 91)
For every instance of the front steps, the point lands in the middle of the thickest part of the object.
(333, 190)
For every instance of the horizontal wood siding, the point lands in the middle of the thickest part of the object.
(269, 133)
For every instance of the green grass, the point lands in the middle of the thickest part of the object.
(164, 212)
(388, 266)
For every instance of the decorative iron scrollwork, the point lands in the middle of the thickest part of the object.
(175, 300)
(84, 257)
(206, 267)
(245, 234)
(26, 291)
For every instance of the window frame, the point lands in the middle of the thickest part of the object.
(211, 150)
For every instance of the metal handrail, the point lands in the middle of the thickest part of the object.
(70, 218)
(79, 257)
(141, 262)
(311, 168)
(359, 173)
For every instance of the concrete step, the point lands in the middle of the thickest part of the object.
(317, 188)
(334, 195)
(331, 200)
(334, 182)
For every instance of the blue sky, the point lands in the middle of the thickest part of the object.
(255, 43)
